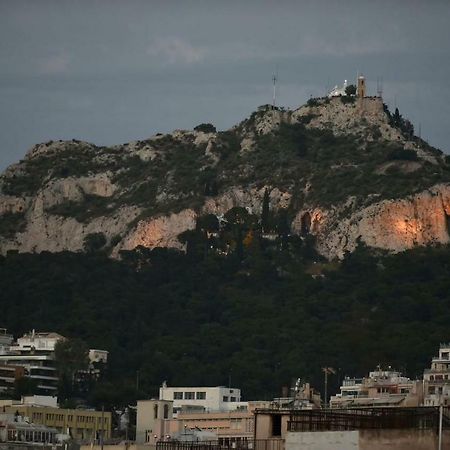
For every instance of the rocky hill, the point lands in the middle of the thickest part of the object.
(344, 170)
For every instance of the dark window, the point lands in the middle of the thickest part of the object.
(276, 425)
(225, 398)
(166, 411)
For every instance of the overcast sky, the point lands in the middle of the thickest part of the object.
(113, 71)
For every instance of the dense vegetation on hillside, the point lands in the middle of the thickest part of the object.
(260, 316)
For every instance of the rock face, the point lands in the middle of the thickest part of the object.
(146, 193)
(393, 225)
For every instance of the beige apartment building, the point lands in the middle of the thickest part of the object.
(80, 424)
(437, 379)
(379, 388)
(156, 422)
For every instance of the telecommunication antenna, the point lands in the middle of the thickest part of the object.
(274, 81)
(420, 130)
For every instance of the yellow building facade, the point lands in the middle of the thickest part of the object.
(79, 423)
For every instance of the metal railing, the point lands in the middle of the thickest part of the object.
(259, 444)
(367, 418)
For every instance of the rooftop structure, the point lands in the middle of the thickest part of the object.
(17, 431)
(380, 388)
(338, 91)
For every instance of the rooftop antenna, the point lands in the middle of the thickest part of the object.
(274, 81)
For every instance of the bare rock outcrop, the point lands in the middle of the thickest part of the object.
(393, 225)
(161, 231)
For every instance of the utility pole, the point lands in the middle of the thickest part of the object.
(327, 371)
(103, 427)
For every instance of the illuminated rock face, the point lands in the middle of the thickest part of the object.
(393, 225)
(162, 231)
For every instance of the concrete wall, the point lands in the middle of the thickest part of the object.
(366, 440)
(124, 446)
(324, 440)
(402, 440)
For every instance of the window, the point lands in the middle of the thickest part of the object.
(232, 399)
(155, 411)
(201, 395)
(225, 398)
(189, 395)
(166, 411)
(178, 396)
(276, 425)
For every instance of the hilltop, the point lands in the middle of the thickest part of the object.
(342, 170)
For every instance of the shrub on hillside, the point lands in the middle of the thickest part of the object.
(206, 128)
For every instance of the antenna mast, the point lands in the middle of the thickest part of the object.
(380, 86)
(274, 81)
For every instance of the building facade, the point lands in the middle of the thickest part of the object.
(153, 420)
(78, 423)
(217, 398)
(380, 388)
(437, 379)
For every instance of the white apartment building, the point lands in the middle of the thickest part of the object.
(208, 399)
(34, 353)
(36, 343)
(437, 379)
(5, 341)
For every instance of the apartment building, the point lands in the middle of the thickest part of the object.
(5, 341)
(34, 354)
(437, 379)
(379, 388)
(217, 398)
(78, 423)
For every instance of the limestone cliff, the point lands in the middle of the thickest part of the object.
(344, 171)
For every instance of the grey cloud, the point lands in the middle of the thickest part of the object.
(110, 71)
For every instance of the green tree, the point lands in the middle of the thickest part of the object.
(24, 386)
(206, 128)
(265, 212)
(208, 222)
(94, 242)
(71, 356)
(350, 90)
